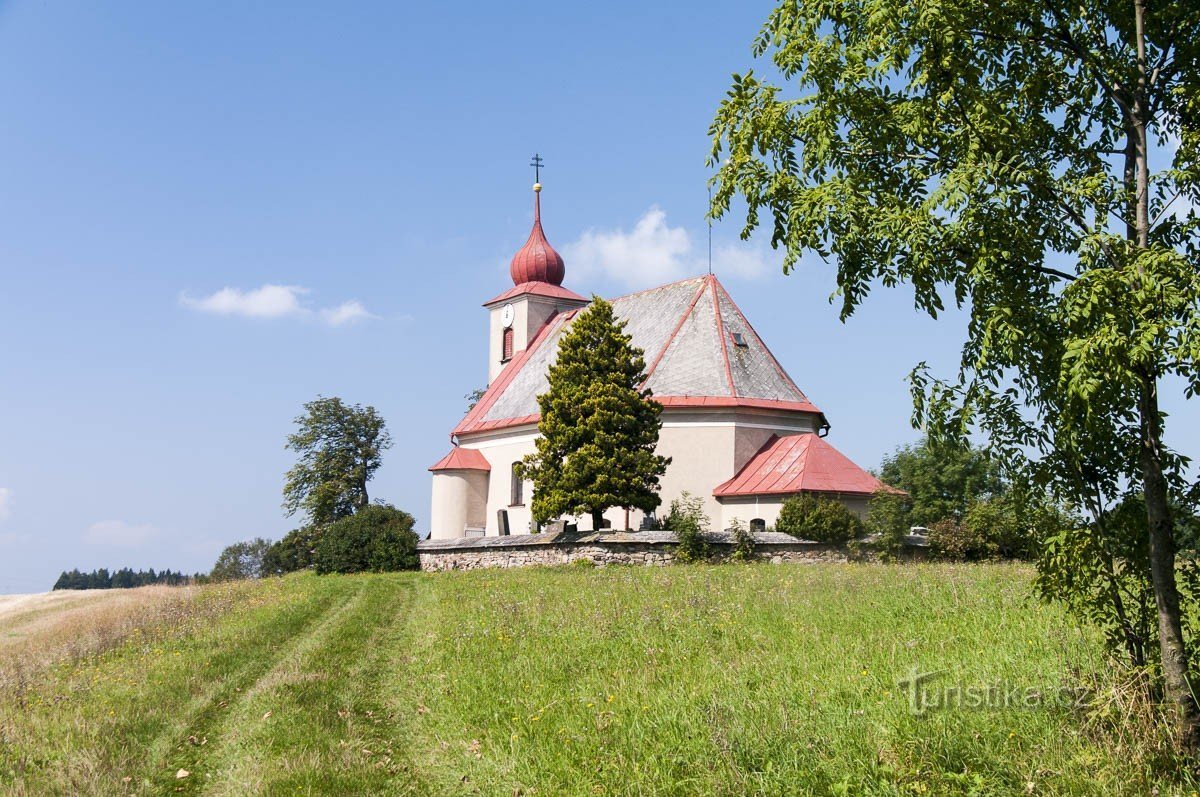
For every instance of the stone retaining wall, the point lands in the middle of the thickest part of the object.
(649, 548)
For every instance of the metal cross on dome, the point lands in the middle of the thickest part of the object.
(537, 163)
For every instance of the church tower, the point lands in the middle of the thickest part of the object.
(518, 314)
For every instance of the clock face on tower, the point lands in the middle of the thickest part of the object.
(506, 315)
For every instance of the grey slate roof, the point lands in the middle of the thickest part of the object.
(685, 330)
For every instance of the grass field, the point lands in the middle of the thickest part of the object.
(686, 680)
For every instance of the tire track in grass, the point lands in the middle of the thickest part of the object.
(313, 723)
(174, 750)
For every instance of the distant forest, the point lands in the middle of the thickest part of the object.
(120, 579)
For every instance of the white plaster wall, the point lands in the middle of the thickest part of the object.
(767, 507)
(459, 502)
(501, 452)
(701, 458)
(707, 448)
(530, 314)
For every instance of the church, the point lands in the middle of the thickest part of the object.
(741, 435)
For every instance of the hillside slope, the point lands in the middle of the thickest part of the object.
(686, 680)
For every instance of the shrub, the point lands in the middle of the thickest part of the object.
(378, 538)
(808, 517)
(958, 542)
(888, 520)
(241, 560)
(688, 521)
(294, 552)
(743, 542)
(1007, 527)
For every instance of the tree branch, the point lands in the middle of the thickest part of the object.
(1053, 272)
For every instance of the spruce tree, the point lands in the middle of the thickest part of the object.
(599, 427)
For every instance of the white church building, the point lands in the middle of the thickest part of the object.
(740, 433)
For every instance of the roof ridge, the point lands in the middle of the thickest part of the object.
(711, 282)
(655, 288)
(674, 333)
(501, 382)
(758, 338)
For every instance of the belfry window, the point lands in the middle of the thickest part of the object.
(517, 497)
(507, 352)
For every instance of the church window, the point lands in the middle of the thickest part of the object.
(508, 346)
(518, 486)
(758, 524)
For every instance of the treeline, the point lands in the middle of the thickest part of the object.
(124, 578)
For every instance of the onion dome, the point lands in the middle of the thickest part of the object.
(537, 261)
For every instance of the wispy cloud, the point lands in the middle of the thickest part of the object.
(346, 313)
(654, 252)
(119, 533)
(274, 302)
(6, 495)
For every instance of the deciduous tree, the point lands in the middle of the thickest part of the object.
(241, 560)
(340, 446)
(1000, 156)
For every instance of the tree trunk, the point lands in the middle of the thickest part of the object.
(597, 519)
(1173, 650)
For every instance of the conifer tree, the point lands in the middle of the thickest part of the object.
(599, 427)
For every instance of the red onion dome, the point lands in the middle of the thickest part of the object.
(537, 261)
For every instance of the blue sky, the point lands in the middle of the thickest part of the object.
(161, 163)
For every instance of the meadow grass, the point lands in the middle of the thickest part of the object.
(684, 680)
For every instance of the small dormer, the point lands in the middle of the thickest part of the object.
(518, 314)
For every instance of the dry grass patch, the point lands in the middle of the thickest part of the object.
(40, 631)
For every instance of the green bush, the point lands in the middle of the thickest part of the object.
(241, 560)
(1006, 527)
(688, 521)
(808, 517)
(743, 542)
(889, 521)
(378, 538)
(959, 542)
(294, 552)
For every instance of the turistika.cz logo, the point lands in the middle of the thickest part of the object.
(926, 693)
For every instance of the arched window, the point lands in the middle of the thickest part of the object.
(758, 524)
(517, 495)
(506, 355)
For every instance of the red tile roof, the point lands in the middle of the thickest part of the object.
(800, 463)
(461, 458)
(475, 420)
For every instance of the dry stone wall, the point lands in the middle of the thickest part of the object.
(651, 548)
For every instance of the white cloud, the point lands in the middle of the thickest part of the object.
(272, 302)
(346, 313)
(269, 301)
(119, 533)
(745, 260)
(655, 252)
(5, 503)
